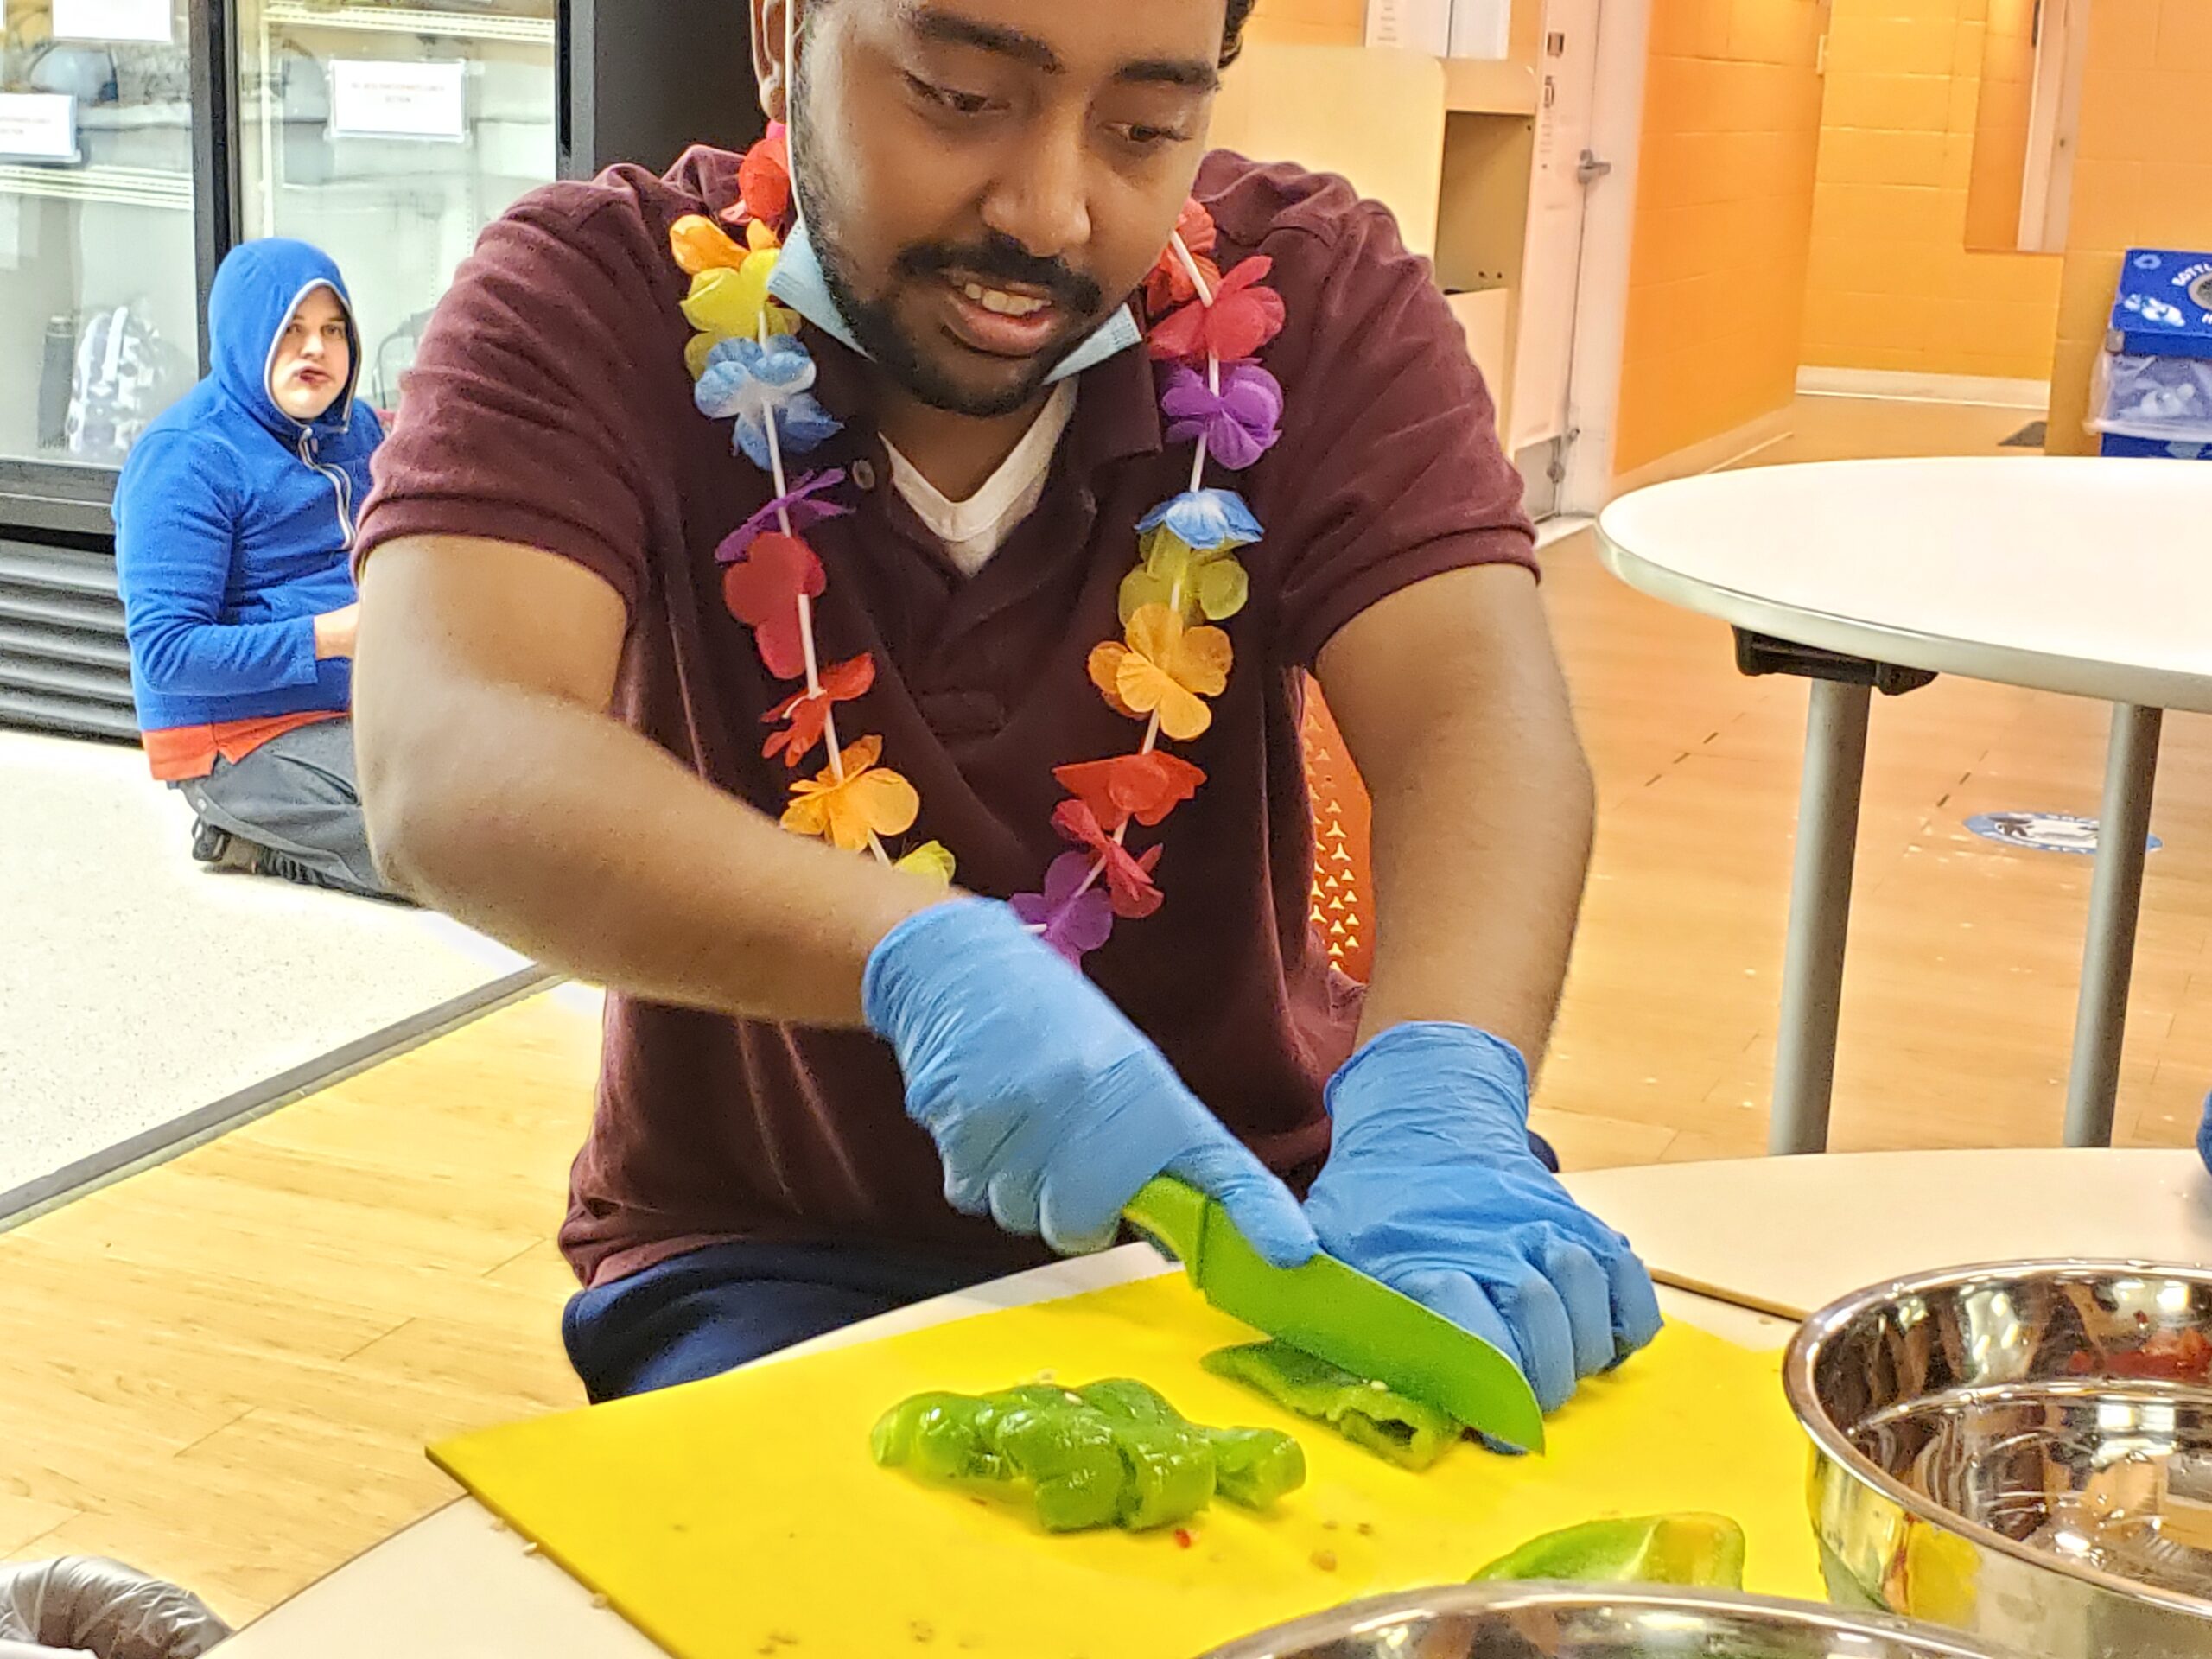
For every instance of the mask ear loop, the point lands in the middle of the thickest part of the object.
(791, 92)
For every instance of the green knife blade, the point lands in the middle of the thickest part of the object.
(1339, 1314)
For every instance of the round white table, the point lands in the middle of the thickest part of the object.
(2089, 577)
(1760, 1238)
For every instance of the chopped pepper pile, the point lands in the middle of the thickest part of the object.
(1406, 1431)
(1114, 1453)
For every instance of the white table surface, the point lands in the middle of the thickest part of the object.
(2080, 574)
(1795, 1234)
(1788, 1232)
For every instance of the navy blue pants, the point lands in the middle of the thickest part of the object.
(710, 1311)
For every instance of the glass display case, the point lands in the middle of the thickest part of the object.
(140, 140)
(389, 134)
(98, 289)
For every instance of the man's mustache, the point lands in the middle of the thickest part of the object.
(1005, 260)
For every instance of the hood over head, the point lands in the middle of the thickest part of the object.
(257, 287)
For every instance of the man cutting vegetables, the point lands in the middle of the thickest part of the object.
(958, 487)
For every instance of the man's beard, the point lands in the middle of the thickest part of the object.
(877, 329)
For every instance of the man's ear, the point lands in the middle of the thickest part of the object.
(770, 24)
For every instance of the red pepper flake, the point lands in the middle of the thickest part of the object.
(1183, 1538)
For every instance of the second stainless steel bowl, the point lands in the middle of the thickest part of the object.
(2022, 1452)
(1567, 1621)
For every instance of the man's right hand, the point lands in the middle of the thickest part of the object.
(335, 630)
(1049, 1108)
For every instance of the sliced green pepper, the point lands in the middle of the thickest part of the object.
(1252, 1467)
(1073, 1462)
(1128, 1401)
(941, 1438)
(1703, 1550)
(1406, 1431)
(1171, 1474)
(1114, 1454)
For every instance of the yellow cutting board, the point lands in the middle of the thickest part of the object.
(743, 1516)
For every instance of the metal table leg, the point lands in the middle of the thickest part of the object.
(1819, 915)
(2115, 898)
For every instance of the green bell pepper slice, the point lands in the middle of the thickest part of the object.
(1403, 1431)
(1704, 1551)
(1072, 1459)
(1254, 1467)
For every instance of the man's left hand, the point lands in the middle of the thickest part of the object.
(1432, 1188)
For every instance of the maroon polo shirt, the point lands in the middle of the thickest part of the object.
(550, 405)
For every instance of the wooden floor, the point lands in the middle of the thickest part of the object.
(1964, 957)
(224, 1369)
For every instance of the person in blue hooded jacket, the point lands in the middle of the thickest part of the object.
(234, 522)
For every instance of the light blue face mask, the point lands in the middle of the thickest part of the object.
(798, 283)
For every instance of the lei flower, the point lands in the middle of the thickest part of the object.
(752, 369)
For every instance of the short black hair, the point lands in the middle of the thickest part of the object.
(1238, 14)
(1232, 30)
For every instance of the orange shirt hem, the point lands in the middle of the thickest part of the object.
(177, 753)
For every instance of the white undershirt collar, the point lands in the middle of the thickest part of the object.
(973, 529)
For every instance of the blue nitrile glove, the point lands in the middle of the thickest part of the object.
(2204, 1135)
(1432, 1188)
(1048, 1106)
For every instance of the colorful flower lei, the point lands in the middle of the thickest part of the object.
(751, 369)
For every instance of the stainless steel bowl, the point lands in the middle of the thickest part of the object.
(2021, 1451)
(1567, 1621)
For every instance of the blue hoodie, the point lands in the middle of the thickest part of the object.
(234, 522)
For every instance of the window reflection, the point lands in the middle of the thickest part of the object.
(98, 307)
(388, 136)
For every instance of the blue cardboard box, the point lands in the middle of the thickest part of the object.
(2154, 392)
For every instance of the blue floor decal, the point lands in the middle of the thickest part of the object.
(2042, 832)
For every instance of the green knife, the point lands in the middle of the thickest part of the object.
(1339, 1314)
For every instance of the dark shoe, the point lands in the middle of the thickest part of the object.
(209, 843)
(221, 851)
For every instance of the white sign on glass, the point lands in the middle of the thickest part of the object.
(152, 21)
(38, 127)
(371, 99)
(1413, 25)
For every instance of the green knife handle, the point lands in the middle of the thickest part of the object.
(1174, 1214)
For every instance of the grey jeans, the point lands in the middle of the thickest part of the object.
(295, 797)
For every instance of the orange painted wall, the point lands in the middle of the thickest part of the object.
(1731, 118)
(1891, 284)
(2142, 179)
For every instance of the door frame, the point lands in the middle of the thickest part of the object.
(1542, 461)
(1608, 237)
